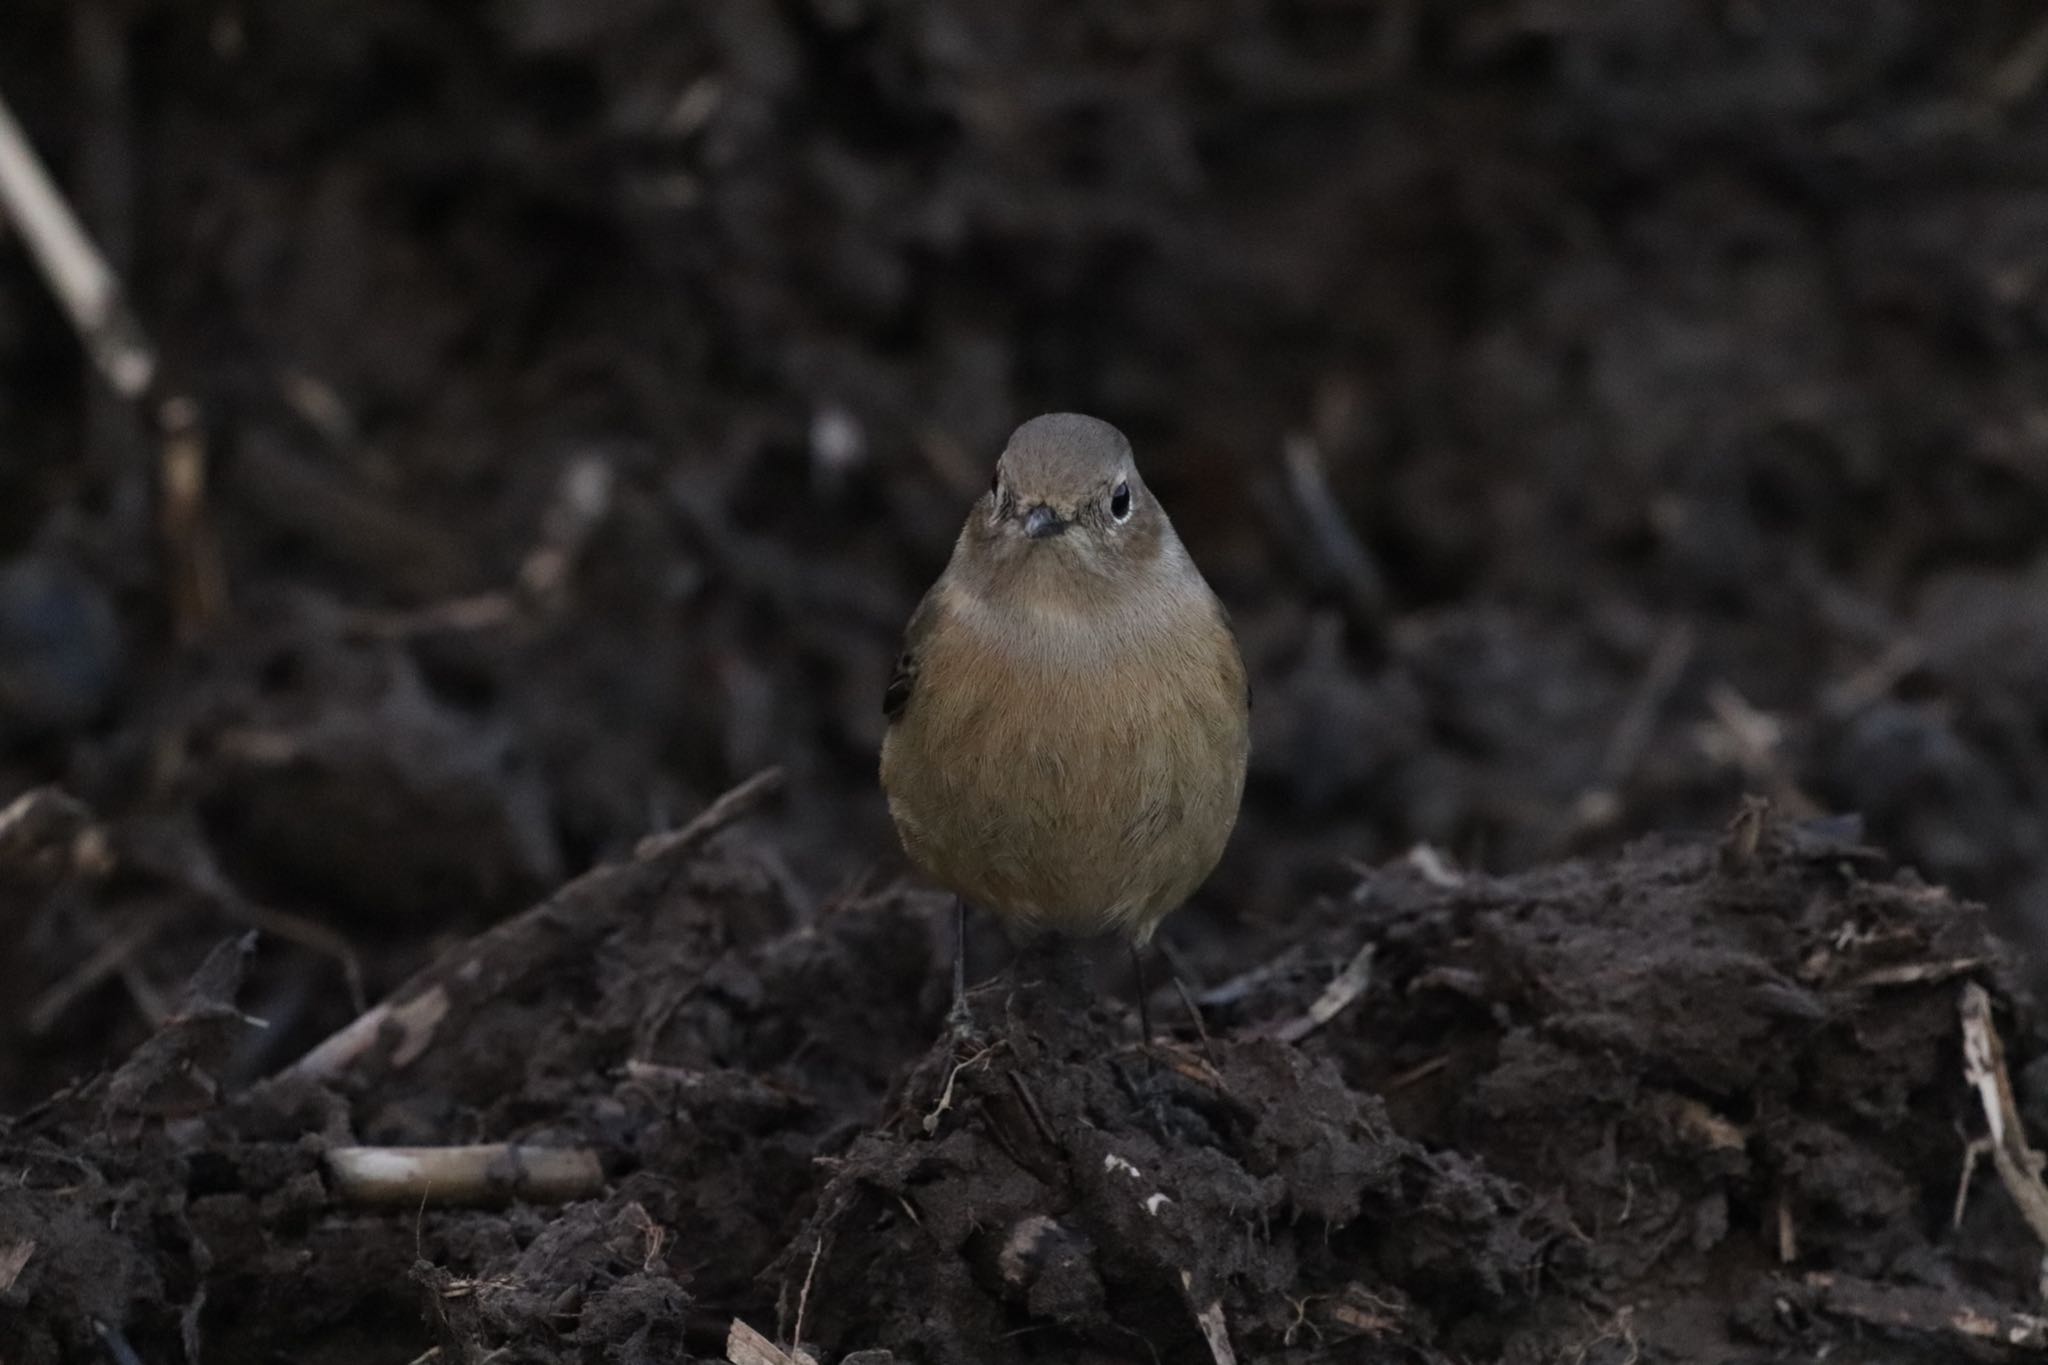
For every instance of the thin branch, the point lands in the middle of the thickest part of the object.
(1343, 552)
(2019, 1166)
(491, 1173)
(730, 808)
(1348, 985)
(77, 274)
(1215, 1329)
(92, 296)
(745, 1346)
(521, 944)
(1910, 1310)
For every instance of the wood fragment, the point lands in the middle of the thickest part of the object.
(2018, 1165)
(1238, 987)
(1421, 1071)
(1916, 1311)
(75, 270)
(1431, 865)
(1335, 999)
(745, 1346)
(727, 1084)
(728, 809)
(1875, 680)
(40, 831)
(14, 1259)
(191, 552)
(455, 615)
(93, 297)
(1701, 1125)
(115, 1342)
(803, 1298)
(1215, 1330)
(1917, 973)
(526, 943)
(415, 1019)
(1191, 1066)
(1744, 834)
(483, 1174)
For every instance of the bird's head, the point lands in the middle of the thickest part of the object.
(1067, 491)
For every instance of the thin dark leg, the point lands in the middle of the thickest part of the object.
(1144, 1005)
(961, 1020)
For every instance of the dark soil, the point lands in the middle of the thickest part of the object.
(1590, 414)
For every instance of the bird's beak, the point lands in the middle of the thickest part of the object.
(1041, 522)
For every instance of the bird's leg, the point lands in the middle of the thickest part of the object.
(960, 1021)
(1144, 1005)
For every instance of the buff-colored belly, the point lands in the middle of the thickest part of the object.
(1084, 798)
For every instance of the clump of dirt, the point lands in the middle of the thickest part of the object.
(1642, 1105)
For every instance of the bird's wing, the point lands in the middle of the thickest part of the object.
(1236, 651)
(903, 681)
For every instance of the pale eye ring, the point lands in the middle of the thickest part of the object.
(1120, 502)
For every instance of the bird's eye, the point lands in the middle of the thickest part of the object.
(1120, 502)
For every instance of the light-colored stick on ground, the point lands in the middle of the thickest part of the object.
(1335, 999)
(13, 1260)
(415, 1020)
(491, 1173)
(1937, 1314)
(1215, 1330)
(745, 1346)
(2018, 1165)
(78, 274)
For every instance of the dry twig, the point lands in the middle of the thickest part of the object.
(490, 1173)
(77, 274)
(115, 1342)
(803, 1298)
(1910, 1309)
(1335, 999)
(1245, 983)
(1215, 1330)
(1916, 973)
(13, 1260)
(415, 1021)
(525, 944)
(728, 809)
(745, 1346)
(2018, 1165)
(92, 296)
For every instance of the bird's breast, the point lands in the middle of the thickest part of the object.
(1075, 768)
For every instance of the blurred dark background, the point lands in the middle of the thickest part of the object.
(1590, 414)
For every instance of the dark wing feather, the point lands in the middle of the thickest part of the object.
(903, 681)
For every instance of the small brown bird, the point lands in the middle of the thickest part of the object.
(1069, 719)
